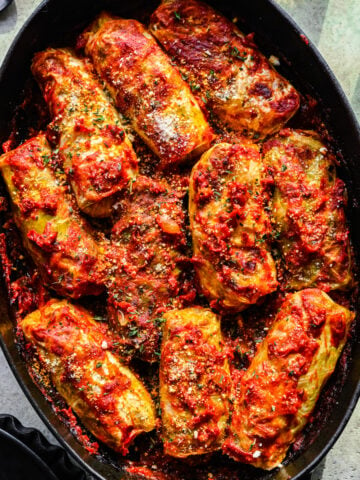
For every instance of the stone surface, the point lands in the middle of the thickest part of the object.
(334, 26)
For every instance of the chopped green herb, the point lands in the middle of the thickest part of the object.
(46, 159)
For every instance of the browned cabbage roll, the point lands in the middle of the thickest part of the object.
(76, 350)
(277, 394)
(59, 241)
(147, 252)
(308, 210)
(194, 383)
(225, 70)
(148, 89)
(97, 155)
(230, 226)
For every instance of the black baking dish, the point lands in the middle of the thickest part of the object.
(58, 22)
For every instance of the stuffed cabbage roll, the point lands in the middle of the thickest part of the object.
(148, 89)
(96, 153)
(277, 394)
(230, 226)
(148, 244)
(308, 211)
(194, 383)
(76, 350)
(59, 241)
(224, 68)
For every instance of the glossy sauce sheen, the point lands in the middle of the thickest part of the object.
(194, 383)
(97, 155)
(276, 395)
(76, 350)
(308, 211)
(230, 226)
(57, 238)
(148, 245)
(224, 69)
(148, 89)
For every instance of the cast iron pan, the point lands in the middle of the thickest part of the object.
(57, 22)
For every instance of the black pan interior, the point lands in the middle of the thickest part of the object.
(57, 23)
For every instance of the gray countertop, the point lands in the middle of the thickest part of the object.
(334, 26)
